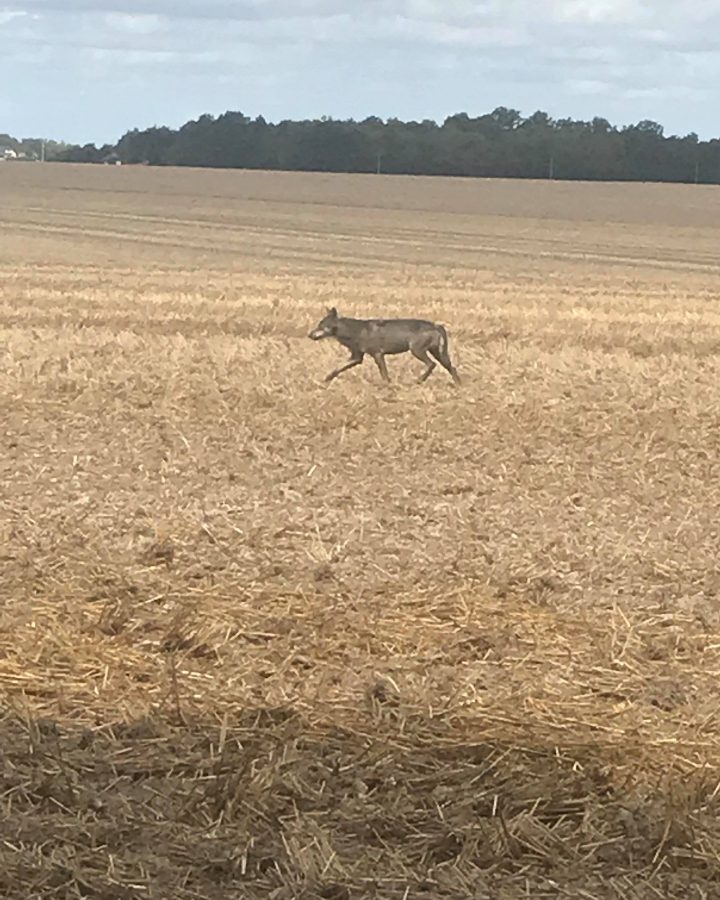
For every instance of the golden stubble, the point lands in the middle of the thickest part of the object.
(194, 528)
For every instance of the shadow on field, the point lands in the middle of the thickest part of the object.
(267, 806)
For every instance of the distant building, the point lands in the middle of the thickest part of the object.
(7, 153)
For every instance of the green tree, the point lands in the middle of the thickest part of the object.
(500, 143)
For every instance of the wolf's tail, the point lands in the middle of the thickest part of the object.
(443, 348)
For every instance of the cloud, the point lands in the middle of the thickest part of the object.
(445, 34)
(599, 11)
(226, 10)
(167, 60)
(590, 86)
(7, 15)
(134, 24)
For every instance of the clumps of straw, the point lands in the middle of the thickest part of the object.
(476, 756)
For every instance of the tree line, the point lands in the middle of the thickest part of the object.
(499, 144)
(32, 148)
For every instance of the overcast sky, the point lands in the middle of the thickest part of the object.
(89, 70)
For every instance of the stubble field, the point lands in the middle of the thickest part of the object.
(266, 638)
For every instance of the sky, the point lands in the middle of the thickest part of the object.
(90, 70)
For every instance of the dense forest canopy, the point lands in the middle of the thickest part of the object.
(501, 143)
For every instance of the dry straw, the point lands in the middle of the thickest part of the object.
(261, 639)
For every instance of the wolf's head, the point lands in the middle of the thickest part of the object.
(326, 327)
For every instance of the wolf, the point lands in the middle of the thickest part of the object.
(379, 338)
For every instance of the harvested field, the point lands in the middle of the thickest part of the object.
(264, 638)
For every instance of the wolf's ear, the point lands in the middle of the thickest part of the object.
(332, 312)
